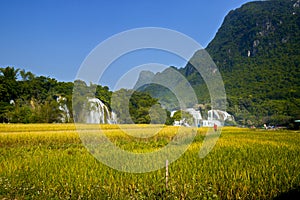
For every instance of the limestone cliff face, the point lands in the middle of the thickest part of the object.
(261, 29)
(257, 51)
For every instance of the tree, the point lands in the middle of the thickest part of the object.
(8, 83)
(26, 76)
(183, 115)
(8, 90)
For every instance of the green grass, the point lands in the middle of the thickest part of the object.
(49, 162)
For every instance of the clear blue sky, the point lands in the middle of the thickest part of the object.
(52, 37)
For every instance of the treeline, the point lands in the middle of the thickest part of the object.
(27, 98)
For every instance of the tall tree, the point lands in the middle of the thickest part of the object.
(8, 84)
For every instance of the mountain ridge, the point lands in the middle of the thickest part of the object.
(256, 50)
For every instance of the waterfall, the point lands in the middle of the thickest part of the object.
(65, 117)
(196, 115)
(219, 115)
(99, 113)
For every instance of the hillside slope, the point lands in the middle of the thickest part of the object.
(257, 50)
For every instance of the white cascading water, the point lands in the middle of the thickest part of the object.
(65, 117)
(99, 113)
(219, 115)
(196, 115)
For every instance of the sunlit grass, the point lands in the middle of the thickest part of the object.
(49, 161)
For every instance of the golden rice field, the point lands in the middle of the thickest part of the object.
(49, 161)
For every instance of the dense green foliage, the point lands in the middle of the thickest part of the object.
(50, 162)
(257, 51)
(139, 108)
(26, 98)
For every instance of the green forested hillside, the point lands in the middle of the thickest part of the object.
(27, 98)
(257, 50)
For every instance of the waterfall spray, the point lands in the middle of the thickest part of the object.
(99, 113)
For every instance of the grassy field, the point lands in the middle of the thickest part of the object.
(48, 161)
